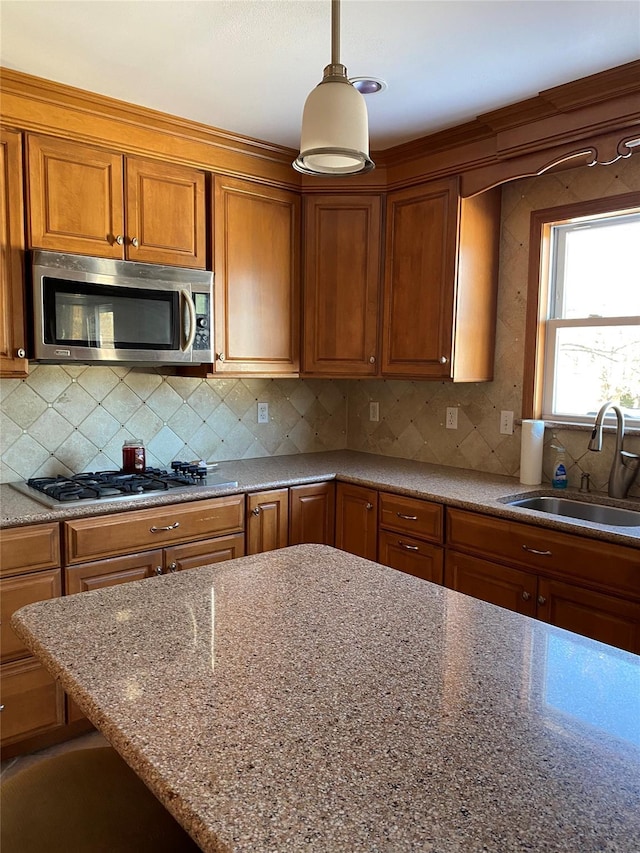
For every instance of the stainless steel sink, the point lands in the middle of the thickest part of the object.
(598, 513)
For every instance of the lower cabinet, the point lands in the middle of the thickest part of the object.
(584, 585)
(31, 702)
(357, 520)
(312, 514)
(267, 520)
(410, 536)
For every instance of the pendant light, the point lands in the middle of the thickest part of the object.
(335, 130)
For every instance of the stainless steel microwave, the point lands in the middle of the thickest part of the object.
(98, 309)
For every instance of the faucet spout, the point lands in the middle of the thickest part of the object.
(625, 465)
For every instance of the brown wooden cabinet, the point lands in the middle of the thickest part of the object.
(257, 278)
(312, 513)
(32, 703)
(357, 520)
(96, 202)
(584, 585)
(341, 294)
(13, 362)
(267, 520)
(89, 539)
(410, 536)
(440, 283)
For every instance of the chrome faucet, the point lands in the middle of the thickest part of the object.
(625, 466)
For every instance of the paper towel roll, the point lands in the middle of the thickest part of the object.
(531, 452)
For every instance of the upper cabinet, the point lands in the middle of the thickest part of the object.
(13, 362)
(257, 279)
(342, 243)
(94, 202)
(440, 283)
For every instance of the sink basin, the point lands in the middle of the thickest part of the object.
(599, 513)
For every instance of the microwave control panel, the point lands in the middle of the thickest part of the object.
(202, 339)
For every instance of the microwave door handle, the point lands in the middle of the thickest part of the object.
(191, 310)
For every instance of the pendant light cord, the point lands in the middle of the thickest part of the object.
(335, 32)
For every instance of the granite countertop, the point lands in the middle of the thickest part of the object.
(457, 487)
(309, 699)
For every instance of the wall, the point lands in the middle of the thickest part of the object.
(412, 414)
(70, 419)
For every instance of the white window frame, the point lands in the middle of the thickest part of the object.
(553, 323)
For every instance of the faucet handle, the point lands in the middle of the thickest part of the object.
(585, 482)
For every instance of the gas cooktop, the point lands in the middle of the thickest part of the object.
(105, 486)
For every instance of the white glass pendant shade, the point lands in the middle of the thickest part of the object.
(335, 131)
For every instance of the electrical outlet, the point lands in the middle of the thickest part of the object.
(506, 423)
(263, 413)
(374, 411)
(452, 417)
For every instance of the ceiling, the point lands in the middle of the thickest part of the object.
(248, 65)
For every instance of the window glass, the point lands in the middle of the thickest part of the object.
(592, 349)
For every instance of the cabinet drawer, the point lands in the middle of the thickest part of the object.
(16, 592)
(411, 515)
(23, 548)
(33, 701)
(599, 564)
(410, 555)
(122, 533)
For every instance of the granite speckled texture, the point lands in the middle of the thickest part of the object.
(471, 490)
(306, 699)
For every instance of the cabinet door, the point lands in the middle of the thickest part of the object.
(75, 198)
(100, 573)
(593, 614)
(257, 278)
(421, 241)
(357, 520)
(165, 214)
(492, 582)
(32, 701)
(194, 554)
(341, 285)
(16, 592)
(312, 513)
(13, 362)
(267, 520)
(410, 555)
(29, 548)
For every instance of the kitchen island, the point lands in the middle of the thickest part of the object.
(307, 699)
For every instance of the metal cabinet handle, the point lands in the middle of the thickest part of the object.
(372, 359)
(407, 517)
(158, 570)
(408, 547)
(134, 242)
(542, 599)
(255, 510)
(20, 353)
(526, 595)
(120, 240)
(220, 356)
(443, 359)
(369, 506)
(535, 551)
(173, 567)
(1, 707)
(173, 526)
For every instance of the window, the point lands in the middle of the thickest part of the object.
(587, 311)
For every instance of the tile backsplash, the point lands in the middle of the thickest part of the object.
(68, 419)
(72, 418)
